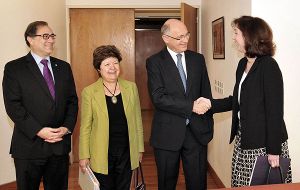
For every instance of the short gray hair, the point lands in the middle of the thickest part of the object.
(165, 29)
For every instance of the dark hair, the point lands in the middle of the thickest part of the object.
(103, 52)
(32, 28)
(257, 34)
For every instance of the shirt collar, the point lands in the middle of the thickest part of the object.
(174, 54)
(38, 58)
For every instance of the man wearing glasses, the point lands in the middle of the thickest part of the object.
(40, 98)
(177, 78)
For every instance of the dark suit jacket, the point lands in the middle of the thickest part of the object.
(29, 104)
(172, 104)
(261, 106)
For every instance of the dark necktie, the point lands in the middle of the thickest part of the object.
(181, 71)
(182, 76)
(48, 77)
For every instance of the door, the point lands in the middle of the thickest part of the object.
(152, 39)
(189, 18)
(90, 28)
(154, 43)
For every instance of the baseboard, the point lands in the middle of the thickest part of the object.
(215, 177)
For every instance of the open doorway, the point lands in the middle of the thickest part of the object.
(91, 27)
(148, 41)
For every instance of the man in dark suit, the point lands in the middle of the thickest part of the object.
(179, 127)
(40, 98)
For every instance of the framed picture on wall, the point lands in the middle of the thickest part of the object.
(218, 38)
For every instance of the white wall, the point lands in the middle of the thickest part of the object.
(219, 150)
(283, 17)
(15, 15)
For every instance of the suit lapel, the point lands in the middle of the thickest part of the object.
(172, 69)
(57, 78)
(241, 70)
(125, 94)
(188, 72)
(254, 66)
(99, 97)
(34, 69)
(243, 67)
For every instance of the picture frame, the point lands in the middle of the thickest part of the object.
(218, 38)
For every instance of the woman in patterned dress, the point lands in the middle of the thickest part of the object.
(257, 102)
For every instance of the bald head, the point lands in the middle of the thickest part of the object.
(175, 35)
(172, 24)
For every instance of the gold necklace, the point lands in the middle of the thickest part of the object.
(114, 99)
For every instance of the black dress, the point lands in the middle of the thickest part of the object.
(119, 165)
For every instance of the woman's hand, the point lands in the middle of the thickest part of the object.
(273, 160)
(140, 156)
(83, 164)
(201, 106)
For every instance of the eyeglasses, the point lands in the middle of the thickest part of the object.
(46, 36)
(187, 35)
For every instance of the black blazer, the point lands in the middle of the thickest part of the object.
(172, 104)
(261, 106)
(29, 104)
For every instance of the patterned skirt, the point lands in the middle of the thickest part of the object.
(243, 162)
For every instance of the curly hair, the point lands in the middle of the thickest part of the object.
(103, 52)
(257, 34)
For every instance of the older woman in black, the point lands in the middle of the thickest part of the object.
(111, 132)
(257, 102)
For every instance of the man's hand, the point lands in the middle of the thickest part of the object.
(201, 105)
(52, 135)
(205, 102)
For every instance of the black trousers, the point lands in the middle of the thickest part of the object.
(194, 162)
(119, 170)
(54, 171)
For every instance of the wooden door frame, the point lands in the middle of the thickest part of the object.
(136, 7)
(189, 16)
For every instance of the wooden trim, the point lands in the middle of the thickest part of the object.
(8, 185)
(216, 178)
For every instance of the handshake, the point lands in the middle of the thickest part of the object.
(201, 105)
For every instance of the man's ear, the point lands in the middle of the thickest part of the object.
(165, 39)
(29, 39)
